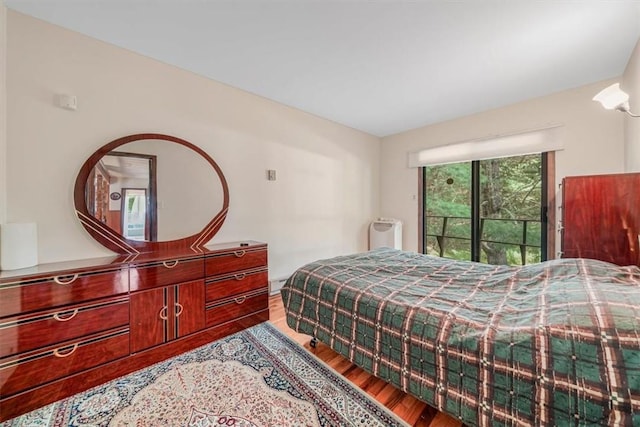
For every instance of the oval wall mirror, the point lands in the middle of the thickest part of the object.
(151, 192)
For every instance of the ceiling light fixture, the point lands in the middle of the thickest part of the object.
(614, 98)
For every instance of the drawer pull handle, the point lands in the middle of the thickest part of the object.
(170, 265)
(59, 281)
(240, 276)
(179, 308)
(240, 254)
(60, 317)
(240, 300)
(163, 313)
(58, 353)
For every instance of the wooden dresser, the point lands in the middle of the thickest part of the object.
(601, 218)
(67, 327)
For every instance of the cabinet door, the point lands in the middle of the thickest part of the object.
(189, 307)
(149, 315)
(161, 315)
(601, 218)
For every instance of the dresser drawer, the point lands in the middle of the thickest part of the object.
(239, 306)
(235, 261)
(152, 275)
(39, 367)
(24, 333)
(28, 296)
(238, 283)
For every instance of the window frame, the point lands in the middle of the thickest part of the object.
(548, 202)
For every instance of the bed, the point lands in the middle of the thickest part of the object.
(555, 343)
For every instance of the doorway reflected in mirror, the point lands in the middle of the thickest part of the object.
(121, 193)
(134, 214)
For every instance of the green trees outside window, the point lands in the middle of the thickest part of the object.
(491, 211)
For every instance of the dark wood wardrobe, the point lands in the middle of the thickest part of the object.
(601, 218)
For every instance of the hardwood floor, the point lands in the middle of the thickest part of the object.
(410, 409)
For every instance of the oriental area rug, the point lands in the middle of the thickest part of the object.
(257, 377)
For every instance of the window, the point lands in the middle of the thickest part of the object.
(135, 214)
(492, 211)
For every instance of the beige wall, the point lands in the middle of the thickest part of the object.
(631, 84)
(327, 183)
(593, 141)
(3, 114)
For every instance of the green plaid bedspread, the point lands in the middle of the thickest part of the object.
(556, 343)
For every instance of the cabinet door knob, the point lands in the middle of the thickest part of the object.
(59, 281)
(59, 316)
(168, 264)
(240, 254)
(163, 313)
(58, 353)
(179, 309)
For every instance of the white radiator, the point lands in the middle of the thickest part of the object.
(276, 284)
(385, 232)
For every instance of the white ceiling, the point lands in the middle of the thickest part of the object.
(126, 166)
(379, 66)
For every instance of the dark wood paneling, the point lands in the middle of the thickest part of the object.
(189, 308)
(239, 306)
(23, 296)
(24, 402)
(165, 273)
(114, 221)
(35, 368)
(149, 314)
(235, 261)
(601, 218)
(239, 283)
(24, 333)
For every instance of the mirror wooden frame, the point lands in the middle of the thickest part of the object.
(109, 238)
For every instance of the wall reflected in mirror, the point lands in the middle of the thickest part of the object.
(153, 190)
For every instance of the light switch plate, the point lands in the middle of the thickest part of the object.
(68, 102)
